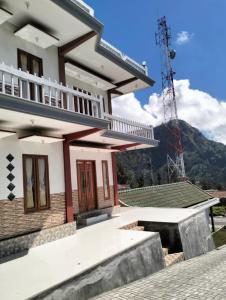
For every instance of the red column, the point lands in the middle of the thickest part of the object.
(115, 179)
(68, 187)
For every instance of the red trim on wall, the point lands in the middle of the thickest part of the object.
(80, 134)
(124, 147)
(115, 178)
(68, 187)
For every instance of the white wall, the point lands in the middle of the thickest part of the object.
(17, 148)
(90, 155)
(8, 51)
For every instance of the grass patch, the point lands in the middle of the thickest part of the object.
(220, 237)
(219, 210)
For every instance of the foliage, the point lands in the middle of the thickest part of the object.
(205, 160)
(219, 237)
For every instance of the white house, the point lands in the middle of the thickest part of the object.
(58, 137)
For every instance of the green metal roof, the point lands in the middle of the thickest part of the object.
(180, 194)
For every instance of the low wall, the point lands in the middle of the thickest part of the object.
(135, 263)
(195, 235)
(25, 242)
(169, 234)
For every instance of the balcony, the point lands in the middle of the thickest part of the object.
(128, 127)
(21, 85)
(26, 86)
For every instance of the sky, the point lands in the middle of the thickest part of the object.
(199, 38)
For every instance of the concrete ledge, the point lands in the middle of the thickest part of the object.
(25, 242)
(135, 263)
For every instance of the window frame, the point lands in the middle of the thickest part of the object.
(37, 207)
(30, 58)
(105, 163)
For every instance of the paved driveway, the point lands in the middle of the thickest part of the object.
(201, 278)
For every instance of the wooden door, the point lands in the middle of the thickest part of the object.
(86, 185)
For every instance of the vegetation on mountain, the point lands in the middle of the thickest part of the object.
(205, 160)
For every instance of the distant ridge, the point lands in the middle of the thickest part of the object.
(205, 160)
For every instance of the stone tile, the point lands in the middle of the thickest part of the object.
(201, 278)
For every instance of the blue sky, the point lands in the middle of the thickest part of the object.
(200, 64)
(131, 25)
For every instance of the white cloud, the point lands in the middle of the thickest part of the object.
(196, 107)
(184, 37)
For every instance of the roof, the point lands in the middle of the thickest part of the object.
(217, 194)
(84, 13)
(180, 194)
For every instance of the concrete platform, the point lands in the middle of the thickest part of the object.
(49, 265)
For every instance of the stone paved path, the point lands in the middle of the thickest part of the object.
(201, 278)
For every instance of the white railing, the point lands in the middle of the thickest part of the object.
(24, 85)
(84, 6)
(124, 57)
(129, 127)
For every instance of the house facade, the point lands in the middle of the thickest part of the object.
(58, 136)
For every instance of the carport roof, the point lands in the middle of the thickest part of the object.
(178, 195)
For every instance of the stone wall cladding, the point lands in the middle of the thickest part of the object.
(14, 221)
(27, 241)
(133, 264)
(101, 202)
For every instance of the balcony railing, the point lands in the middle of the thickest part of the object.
(129, 127)
(24, 85)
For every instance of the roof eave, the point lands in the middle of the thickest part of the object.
(97, 26)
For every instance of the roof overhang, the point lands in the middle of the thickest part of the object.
(41, 139)
(206, 204)
(4, 15)
(56, 28)
(36, 36)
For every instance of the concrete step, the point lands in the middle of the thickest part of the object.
(165, 251)
(138, 228)
(133, 226)
(90, 220)
(171, 259)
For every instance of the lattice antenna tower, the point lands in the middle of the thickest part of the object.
(175, 164)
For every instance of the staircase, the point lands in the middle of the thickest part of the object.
(170, 259)
(173, 258)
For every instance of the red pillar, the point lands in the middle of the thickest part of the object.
(115, 178)
(68, 187)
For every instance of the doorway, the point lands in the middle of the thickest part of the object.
(86, 178)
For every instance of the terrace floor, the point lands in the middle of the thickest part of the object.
(200, 278)
(48, 265)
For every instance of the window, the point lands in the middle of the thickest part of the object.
(36, 182)
(105, 180)
(32, 64)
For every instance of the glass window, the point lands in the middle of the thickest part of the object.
(36, 182)
(105, 179)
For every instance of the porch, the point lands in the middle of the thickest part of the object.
(100, 257)
(46, 97)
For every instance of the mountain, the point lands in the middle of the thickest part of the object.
(205, 160)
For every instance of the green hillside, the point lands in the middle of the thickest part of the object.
(205, 160)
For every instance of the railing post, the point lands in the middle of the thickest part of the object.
(3, 82)
(12, 85)
(101, 107)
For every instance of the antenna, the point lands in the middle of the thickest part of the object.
(176, 169)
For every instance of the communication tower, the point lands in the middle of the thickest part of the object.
(175, 163)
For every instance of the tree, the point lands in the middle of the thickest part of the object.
(140, 180)
(159, 178)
